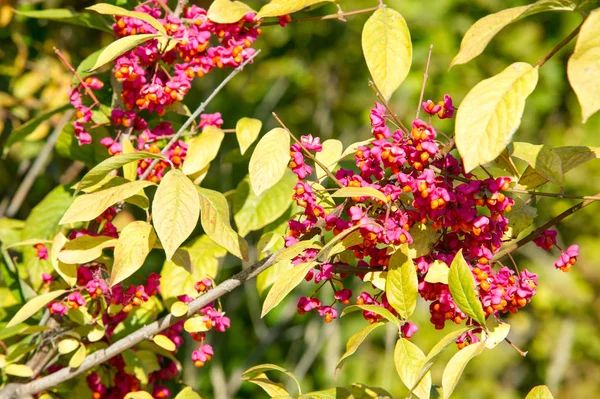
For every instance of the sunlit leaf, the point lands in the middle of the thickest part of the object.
(68, 16)
(520, 218)
(401, 286)
(135, 242)
(139, 395)
(437, 273)
(491, 113)
(187, 393)
(543, 159)
(269, 160)
(456, 366)
(424, 238)
(408, 359)
(121, 46)
(19, 370)
(379, 310)
(247, 131)
(67, 345)
(175, 210)
(275, 8)
(329, 156)
(540, 392)
(227, 12)
(355, 341)
(497, 334)
(202, 150)
(67, 271)
(20, 133)
(109, 9)
(252, 372)
(462, 287)
(287, 281)
(195, 325)
(141, 363)
(164, 342)
(85, 249)
(346, 192)
(387, 49)
(33, 306)
(179, 309)
(78, 357)
(352, 148)
(273, 389)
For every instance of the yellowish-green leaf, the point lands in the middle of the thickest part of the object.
(520, 218)
(355, 341)
(287, 281)
(268, 277)
(19, 370)
(497, 334)
(346, 192)
(491, 113)
(78, 357)
(424, 238)
(175, 210)
(67, 345)
(275, 8)
(296, 249)
(202, 150)
(141, 363)
(121, 46)
(130, 169)
(85, 249)
(135, 242)
(542, 158)
(255, 371)
(139, 395)
(215, 222)
(90, 206)
(401, 287)
(68, 271)
(378, 279)
(540, 392)
(246, 131)
(387, 49)
(379, 310)
(179, 309)
(195, 324)
(437, 273)
(462, 287)
(164, 342)
(408, 359)
(109, 9)
(456, 366)
(96, 333)
(227, 12)
(583, 68)
(273, 389)
(187, 393)
(32, 307)
(269, 160)
(27, 243)
(479, 35)
(329, 156)
(350, 240)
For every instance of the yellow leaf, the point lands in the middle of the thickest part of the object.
(276, 8)
(246, 132)
(408, 359)
(401, 287)
(437, 273)
(165, 342)
(89, 206)
(387, 49)
(355, 341)
(497, 334)
(139, 395)
(67, 345)
(424, 237)
(332, 152)
(67, 270)
(109, 9)
(130, 169)
(178, 309)
(227, 12)
(135, 242)
(19, 370)
(269, 160)
(456, 366)
(583, 68)
(175, 210)
(195, 324)
(540, 392)
(187, 393)
(346, 192)
(32, 307)
(85, 249)
(491, 113)
(202, 150)
(120, 46)
(96, 333)
(287, 281)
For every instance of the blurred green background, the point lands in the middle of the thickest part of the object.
(314, 76)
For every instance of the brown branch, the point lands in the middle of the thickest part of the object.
(560, 45)
(337, 15)
(17, 391)
(387, 106)
(425, 76)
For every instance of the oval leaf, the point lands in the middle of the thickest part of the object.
(67, 345)
(387, 49)
(78, 357)
(540, 392)
(120, 46)
(139, 395)
(346, 192)
(109, 9)
(583, 68)
(202, 150)
(491, 113)
(175, 210)
(424, 238)
(32, 307)
(287, 281)
(276, 8)
(187, 393)
(19, 370)
(437, 273)
(269, 160)
(463, 290)
(246, 132)
(401, 287)
(379, 310)
(543, 159)
(329, 156)
(164, 342)
(194, 325)
(456, 366)
(179, 309)
(227, 12)
(85, 249)
(135, 242)
(408, 359)
(355, 341)
(67, 271)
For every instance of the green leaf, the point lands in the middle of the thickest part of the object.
(355, 341)
(179, 309)
(32, 307)
(268, 277)
(215, 222)
(463, 290)
(424, 238)
(164, 342)
(497, 334)
(68, 271)
(262, 368)
(135, 242)
(187, 393)
(456, 366)
(86, 64)
(246, 131)
(19, 370)
(202, 150)
(140, 363)
(329, 156)
(269, 160)
(401, 287)
(120, 46)
(379, 310)
(346, 192)
(90, 206)
(520, 218)
(408, 359)
(100, 171)
(67, 16)
(287, 281)
(583, 68)
(43, 220)
(540, 392)
(227, 12)
(437, 273)
(85, 249)
(252, 212)
(19, 134)
(491, 113)
(387, 49)
(78, 357)
(275, 8)
(175, 210)
(349, 240)
(109, 9)
(479, 35)
(543, 159)
(91, 154)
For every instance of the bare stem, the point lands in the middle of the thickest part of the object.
(560, 45)
(425, 76)
(197, 112)
(556, 195)
(387, 106)
(338, 15)
(522, 353)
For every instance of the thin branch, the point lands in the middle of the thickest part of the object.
(36, 168)
(555, 195)
(560, 45)
(15, 391)
(425, 76)
(179, 9)
(387, 106)
(338, 15)
(308, 154)
(197, 112)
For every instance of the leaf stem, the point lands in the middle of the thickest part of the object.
(560, 45)
(337, 15)
(425, 76)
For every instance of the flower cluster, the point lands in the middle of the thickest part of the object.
(547, 240)
(83, 113)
